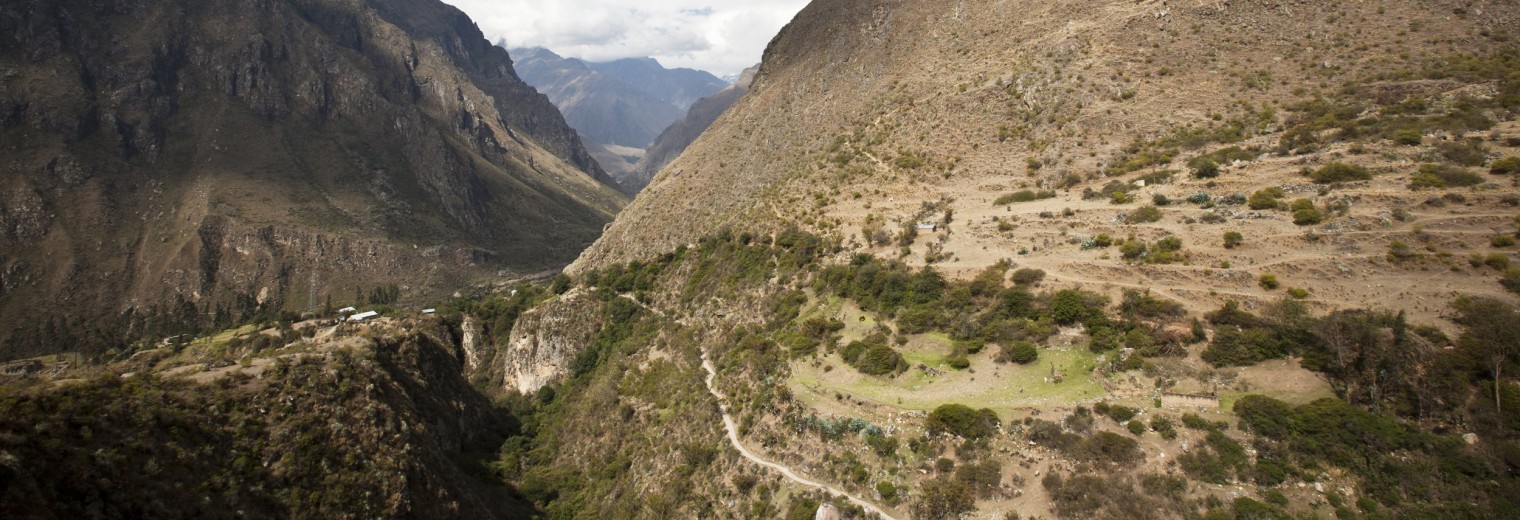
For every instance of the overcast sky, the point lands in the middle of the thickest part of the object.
(719, 36)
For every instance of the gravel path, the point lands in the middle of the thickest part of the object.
(733, 438)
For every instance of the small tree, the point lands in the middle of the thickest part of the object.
(1493, 335)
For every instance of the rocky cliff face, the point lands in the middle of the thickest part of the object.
(683, 132)
(227, 158)
(546, 340)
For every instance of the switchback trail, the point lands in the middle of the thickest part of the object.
(733, 438)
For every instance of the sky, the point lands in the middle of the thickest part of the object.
(718, 36)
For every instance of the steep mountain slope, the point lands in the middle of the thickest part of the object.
(1074, 259)
(682, 133)
(171, 163)
(863, 113)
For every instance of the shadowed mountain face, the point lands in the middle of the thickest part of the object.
(622, 105)
(174, 162)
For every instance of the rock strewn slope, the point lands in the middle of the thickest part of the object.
(870, 117)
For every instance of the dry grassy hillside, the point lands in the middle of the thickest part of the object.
(863, 112)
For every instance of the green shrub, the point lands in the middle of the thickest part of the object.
(1268, 281)
(1265, 198)
(1466, 152)
(1398, 251)
(1193, 421)
(1443, 176)
(943, 498)
(1339, 172)
(880, 359)
(1506, 166)
(1019, 352)
(1163, 427)
(1408, 137)
(1305, 214)
(1106, 447)
(1027, 276)
(1502, 241)
(887, 491)
(984, 478)
(958, 360)
(961, 420)
(1205, 169)
(1144, 215)
(1497, 261)
(1023, 196)
(1511, 280)
(1136, 427)
(1233, 239)
(1298, 293)
(1233, 346)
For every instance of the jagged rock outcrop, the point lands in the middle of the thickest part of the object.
(546, 339)
(683, 132)
(308, 150)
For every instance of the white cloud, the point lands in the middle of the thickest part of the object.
(721, 39)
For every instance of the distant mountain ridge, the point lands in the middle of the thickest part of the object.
(679, 86)
(623, 104)
(230, 160)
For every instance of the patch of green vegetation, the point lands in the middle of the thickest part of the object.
(1443, 176)
(1143, 215)
(1506, 166)
(1233, 239)
(1339, 172)
(962, 420)
(1163, 251)
(1266, 198)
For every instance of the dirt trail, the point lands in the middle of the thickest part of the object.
(733, 438)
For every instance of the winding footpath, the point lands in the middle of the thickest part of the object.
(733, 438)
